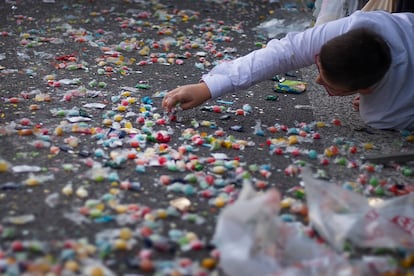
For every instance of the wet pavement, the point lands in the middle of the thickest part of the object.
(95, 179)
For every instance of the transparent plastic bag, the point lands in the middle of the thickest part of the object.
(340, 215)
(329, 10)
(253, 240)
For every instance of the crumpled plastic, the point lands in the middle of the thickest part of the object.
(326, 10)
(278, 28)
(253, 240)
(341, 215)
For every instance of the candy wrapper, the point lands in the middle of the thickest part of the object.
(290, 86)
(340, 215)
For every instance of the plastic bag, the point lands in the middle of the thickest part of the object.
(340, 215)
(252, 240)
(331, 10)
(278, 28)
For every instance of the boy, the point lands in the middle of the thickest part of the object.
(370, 54)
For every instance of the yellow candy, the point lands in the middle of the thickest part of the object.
(236, 163)
(293, 139)
(227, 144)
(121, 108)
(58, 131)
(125, 233)
(368, 146)
(114, 191)
(410, 138)
(219, 202)
(118, 118)
(100, 206)
(320, 124)
(50, 77)
(107, 122)
(219, 169)
(120, 244)
(162, 214)
(208, 263)
(72, 266)
(31, 181)
(95, 271)
(328, 153)
(132, 100)
(279, 141)
(128, 124)
(4, 166)
(408, 261)
(205, 123)
(286, 202)
(121, 208)
(144, 51)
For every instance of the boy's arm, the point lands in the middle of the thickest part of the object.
(296, 50)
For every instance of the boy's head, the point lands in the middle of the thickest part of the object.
(355, 60)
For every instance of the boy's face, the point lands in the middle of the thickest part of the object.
(332, 89)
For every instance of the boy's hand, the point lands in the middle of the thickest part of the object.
(187, 96)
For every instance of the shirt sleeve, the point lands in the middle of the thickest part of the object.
(294, 51)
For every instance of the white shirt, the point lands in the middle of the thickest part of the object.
(390, 106)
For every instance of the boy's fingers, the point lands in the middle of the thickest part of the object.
(170, 101)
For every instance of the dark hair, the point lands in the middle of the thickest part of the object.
(355, 60)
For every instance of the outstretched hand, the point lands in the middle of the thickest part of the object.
(187, 96)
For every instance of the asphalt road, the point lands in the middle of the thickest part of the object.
(94, 177)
